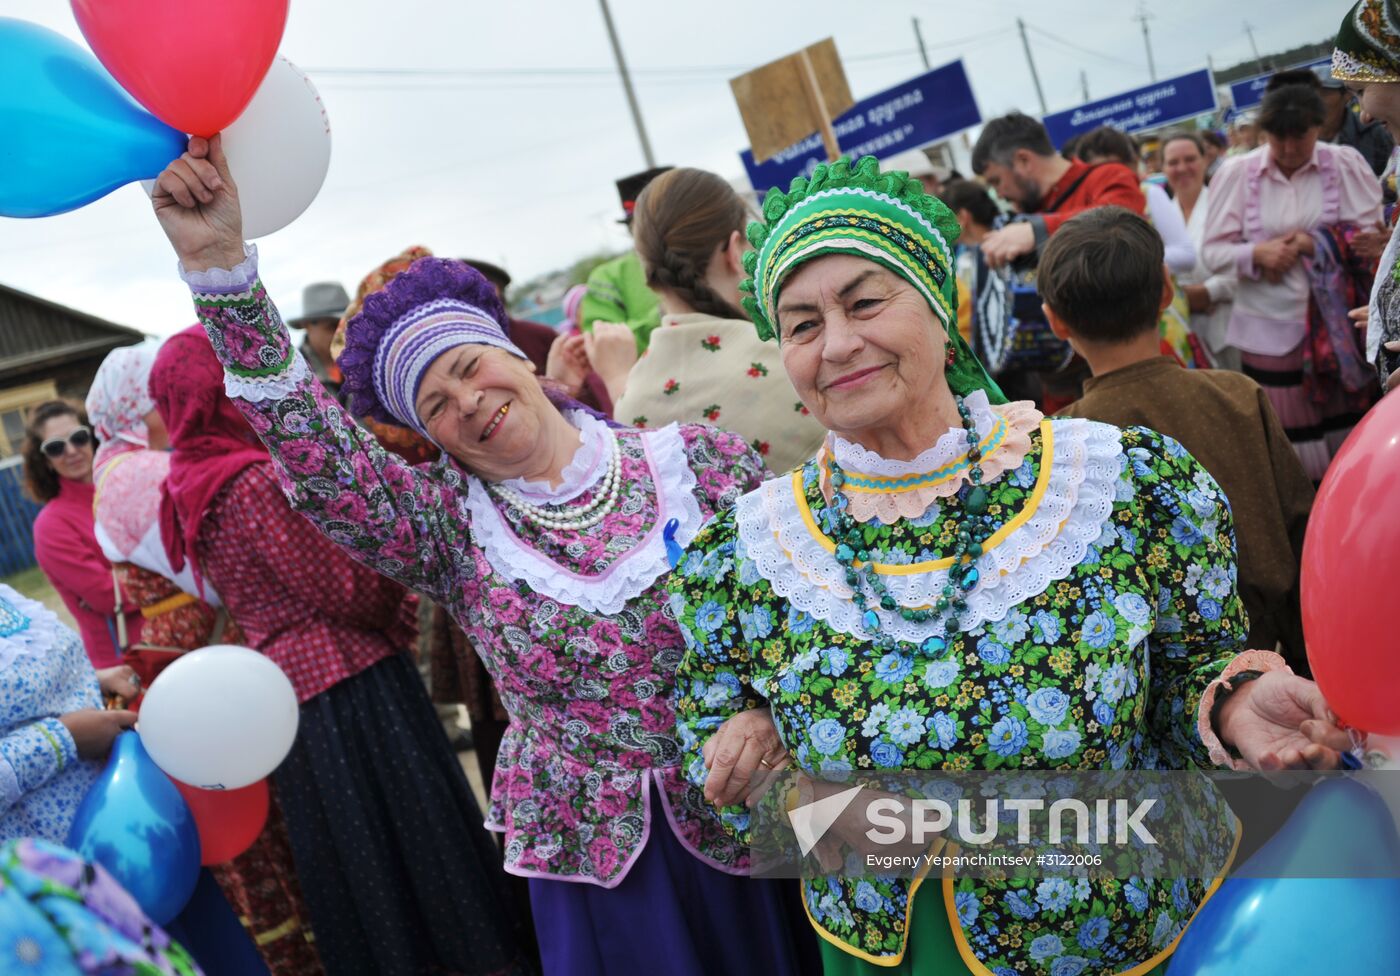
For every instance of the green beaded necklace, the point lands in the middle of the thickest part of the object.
(962, 576)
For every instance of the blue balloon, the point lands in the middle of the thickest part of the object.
(135, 823)
(1269, 919)
(68, 132)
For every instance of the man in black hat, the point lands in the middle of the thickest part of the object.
(617, 289)
(322, 305)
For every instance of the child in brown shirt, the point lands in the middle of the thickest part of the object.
(1104, 287)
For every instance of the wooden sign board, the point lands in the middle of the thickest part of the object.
(787, 100)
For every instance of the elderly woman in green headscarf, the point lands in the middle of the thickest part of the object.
(955, 582)
(1367, 58)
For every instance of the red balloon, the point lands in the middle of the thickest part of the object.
(194, 64)
(1351, 560)
(228, 820)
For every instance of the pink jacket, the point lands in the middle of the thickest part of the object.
(69, 555)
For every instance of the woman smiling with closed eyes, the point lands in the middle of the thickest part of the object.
(545, 532)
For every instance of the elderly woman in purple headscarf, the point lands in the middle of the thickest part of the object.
(546, 532)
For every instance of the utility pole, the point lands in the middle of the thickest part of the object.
(1258, 61)
(1084, 84)
(1021, 26)
(627, 87)
(1144, 16)
(919, 36)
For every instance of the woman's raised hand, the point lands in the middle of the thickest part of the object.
(196, 202)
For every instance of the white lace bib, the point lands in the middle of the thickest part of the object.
(633, 572)
(1065, 513)
(41, 636)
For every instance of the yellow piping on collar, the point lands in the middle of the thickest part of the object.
(1042, 484)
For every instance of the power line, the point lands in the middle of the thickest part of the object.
(609, 73)
(1083, 50)
(574, 72)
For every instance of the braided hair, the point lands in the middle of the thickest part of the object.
(681, 219)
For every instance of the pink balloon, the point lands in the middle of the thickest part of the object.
(194, 64)
(1351, 560)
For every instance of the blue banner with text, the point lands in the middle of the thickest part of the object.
(1148, 107)
(922, 110)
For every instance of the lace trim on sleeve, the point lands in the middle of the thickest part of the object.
(220, 280)
(1071, 516)
(1263, 661)
(633, 572)
(278, 386)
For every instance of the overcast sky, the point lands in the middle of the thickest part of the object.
(512, 155)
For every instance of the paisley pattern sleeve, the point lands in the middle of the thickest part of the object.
(1200, 622)
(712, 681)
(366, 499)
(725, 465)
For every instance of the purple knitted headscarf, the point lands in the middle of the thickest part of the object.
(436, 305)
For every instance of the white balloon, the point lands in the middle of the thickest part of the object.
(279, 150)
(1382, 752)
(219, 718)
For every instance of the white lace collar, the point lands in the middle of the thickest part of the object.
(1064, 515)
(639, 563)
(39, 637)
(596, 440)
(949, 448)
(879, 488)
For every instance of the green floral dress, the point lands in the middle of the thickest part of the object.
(1106, 603)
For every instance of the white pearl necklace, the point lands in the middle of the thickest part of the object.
(562, 517)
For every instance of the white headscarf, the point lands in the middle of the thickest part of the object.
(118, 401)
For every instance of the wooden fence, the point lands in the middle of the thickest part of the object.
(17, 514)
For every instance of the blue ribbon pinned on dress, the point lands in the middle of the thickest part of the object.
(674, 550)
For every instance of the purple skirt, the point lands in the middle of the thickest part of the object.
(673, 914)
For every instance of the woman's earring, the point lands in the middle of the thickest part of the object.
(948, 360)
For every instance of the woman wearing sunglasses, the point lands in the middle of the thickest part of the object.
(58, 449)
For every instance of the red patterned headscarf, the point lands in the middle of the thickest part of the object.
(210, 441)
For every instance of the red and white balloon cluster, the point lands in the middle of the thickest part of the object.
(198, 67)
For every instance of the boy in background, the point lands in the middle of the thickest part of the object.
(1104, 286)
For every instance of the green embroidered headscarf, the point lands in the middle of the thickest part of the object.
(1367, 47)
(882, 217)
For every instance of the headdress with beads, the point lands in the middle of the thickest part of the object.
(434, 306)
(1367, 48)
(886, 218)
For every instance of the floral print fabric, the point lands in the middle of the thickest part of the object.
(44, 673)
(1103, 667)
(588, 693)
(702, 369)
(62, 916)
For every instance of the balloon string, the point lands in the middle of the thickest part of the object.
(1357, 753)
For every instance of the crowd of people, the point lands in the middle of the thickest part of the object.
(901, 473)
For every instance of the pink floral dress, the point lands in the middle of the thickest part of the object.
(575, 627)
